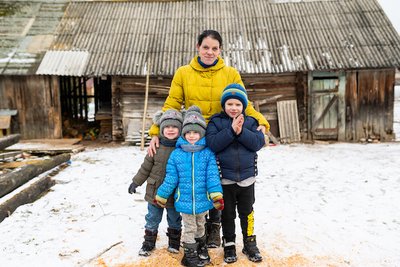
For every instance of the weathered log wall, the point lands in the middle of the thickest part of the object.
(265, 90)
(128, 98)
(369, 101)
(37, 100)
(370, 105)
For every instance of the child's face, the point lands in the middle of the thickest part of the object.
(192, 137)
(233, 107)
(171, 132)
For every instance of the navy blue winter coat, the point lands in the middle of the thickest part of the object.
(236, 154)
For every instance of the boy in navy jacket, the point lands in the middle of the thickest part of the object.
(234, 138)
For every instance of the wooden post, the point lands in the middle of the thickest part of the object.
(145, 106)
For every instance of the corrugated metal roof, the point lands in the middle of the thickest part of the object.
(26, 32)
(259, 36)
(69, 63)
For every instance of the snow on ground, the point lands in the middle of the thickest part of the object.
(316, 205)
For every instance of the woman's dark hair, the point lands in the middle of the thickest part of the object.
(209, 33)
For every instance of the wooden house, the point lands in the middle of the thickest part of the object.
(325, 68)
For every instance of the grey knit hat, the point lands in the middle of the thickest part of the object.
(170, 117)
(193, 121)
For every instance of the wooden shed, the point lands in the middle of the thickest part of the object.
(27, 31)
(323, 69)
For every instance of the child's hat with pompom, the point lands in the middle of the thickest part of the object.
(194, 121)
(170, 117)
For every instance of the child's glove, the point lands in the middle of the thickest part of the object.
(132, 188)
(160, 201)
(218, 201)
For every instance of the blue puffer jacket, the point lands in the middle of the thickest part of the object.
(194, 175)
(236, 154)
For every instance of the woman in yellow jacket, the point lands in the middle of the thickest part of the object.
(201, 83)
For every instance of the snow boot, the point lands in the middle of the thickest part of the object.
(213, 235)
(229, 250)
(174, 240)
(149, 243)
(202, 250)
(250, 249)
(190, 256)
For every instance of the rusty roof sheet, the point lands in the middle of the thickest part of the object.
(26, 32)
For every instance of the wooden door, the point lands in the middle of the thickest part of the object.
(326, 106)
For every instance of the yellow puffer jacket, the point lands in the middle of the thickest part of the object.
(195, 85)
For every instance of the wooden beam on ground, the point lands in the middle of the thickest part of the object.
(272, 138)
(9, 140)
(28, 195)
(12, 180)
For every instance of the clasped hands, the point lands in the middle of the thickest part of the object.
(237, 124)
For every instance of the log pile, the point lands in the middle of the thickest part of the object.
(23, 177)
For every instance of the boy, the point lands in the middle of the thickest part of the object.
(234, 138)
(192, 170)
(152, 170)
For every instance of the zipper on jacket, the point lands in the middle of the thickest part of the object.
(238, 162)
(193, 192)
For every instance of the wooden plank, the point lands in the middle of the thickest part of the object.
(288, 121)
(18, 164)
(5, 121)
(7, 155)
(48, 145)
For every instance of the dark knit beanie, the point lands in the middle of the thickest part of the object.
(235, 91)
(194, 121)
(170, 117)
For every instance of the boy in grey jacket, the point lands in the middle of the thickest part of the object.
(152, 170)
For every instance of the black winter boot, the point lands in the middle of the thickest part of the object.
(213, 235)
(202, 250)
(190, 256)
(229, 250)
(174, 240)
(149, 243)
(250, 249)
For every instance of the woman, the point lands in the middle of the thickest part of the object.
(201, 83)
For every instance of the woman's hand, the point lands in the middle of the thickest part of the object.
(261, 128)
(154, 144)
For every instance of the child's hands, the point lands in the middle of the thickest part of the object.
(132, 188)
(160, 201)
(218, 201)
(237, 124)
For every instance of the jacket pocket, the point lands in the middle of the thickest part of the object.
(151, 189)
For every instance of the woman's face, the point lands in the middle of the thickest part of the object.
(209, 50)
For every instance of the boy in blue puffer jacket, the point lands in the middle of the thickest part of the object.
(192, 170)
(234, 138)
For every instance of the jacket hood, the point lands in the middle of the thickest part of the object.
(181, 141)
(196, 65)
